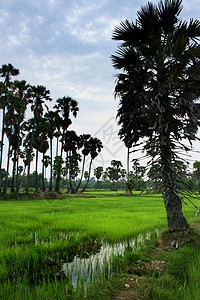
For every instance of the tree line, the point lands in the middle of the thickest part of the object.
(46, 130)
(142, 178)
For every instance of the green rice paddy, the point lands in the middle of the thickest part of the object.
(40, 239)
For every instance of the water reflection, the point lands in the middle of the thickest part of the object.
(82, 272)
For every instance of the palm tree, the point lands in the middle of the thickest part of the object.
(95, 146)
(64, 107)
(114, 173)
(84, 144)
(11, 118)
(40, 143)
(46, 161)
(20, 89)
(71, 145)
(158, 90)
(38, 95)
(24, 155)
(6, 71)
(98, 171)
(51, 116)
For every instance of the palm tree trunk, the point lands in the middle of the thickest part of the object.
(85, 187)
(57, 139)
(29, 158)
(70, 177)
(2, 138)
(57, 185)
(83, 166)
(36, 171)
(172, 201)
(128, 190)
(43, 185)
(67, 172)
(17, 177)
(8, 163)
(51, 167)
(23, 176)
(12, 189)
(128, 162)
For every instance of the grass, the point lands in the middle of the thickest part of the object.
(113, 218)
(181, 278)
(37, 237)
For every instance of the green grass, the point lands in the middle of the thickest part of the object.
(112, 218)
(37, 237)
(108, 192)
(181, 278)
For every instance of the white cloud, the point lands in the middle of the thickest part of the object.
(66, 46)
(13, 41)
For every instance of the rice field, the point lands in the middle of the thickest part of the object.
(56, 249)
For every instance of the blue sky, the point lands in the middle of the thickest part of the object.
(66, 46)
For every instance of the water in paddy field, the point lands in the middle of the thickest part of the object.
(83, 272)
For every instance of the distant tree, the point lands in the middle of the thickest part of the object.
(65, 107)
(114, 173)
(86, 175)
(98, 172)
(158, 89)
(51, 117)
(70, 146)
(196, 166)
(135, 181)
(38, 95)
(84, 145)
(95, 146)
(46, 160)
(6, 72)
(20, 89)
(14, 108)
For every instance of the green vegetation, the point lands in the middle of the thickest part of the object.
(180, 279)
(67, 248)
(30, 139)
(39, 237)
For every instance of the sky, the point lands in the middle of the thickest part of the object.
(66, 46)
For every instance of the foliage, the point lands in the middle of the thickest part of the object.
(158, 88)
(30, 139)
(37, 231)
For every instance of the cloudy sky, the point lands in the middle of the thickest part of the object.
(66, 46)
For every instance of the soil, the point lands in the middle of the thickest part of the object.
(136, 282)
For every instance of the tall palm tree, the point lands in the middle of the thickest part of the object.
(70, 146)
(40, 143)
(24, 155)
(84, 144)
(6, 72)
(98, 172)
(11, 118)
(158, 88)
(38, 95)
(66, 107)
(95, 146)
(46, 161)
(50, 116)
(20, 89)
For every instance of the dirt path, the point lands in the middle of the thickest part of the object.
(137, 280)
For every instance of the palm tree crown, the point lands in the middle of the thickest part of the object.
(158, 88)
